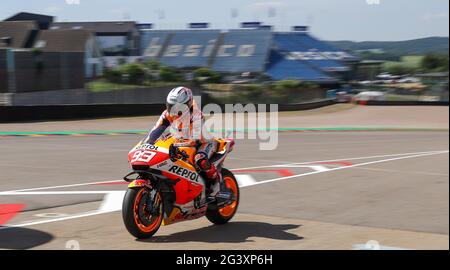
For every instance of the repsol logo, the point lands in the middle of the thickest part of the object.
(185, 173)
(148, 147)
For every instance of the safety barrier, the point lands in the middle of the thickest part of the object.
(67, 112)
(403, 103)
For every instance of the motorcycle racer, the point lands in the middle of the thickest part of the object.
(186, 119)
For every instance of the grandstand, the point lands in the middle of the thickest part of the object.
(152, 43)
(254, 49)
(288, 55)
(191, 48)
(243, 51)
(282, 68)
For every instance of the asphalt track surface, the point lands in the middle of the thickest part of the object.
(320, 190)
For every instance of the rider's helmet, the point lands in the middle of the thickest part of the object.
(179, 101)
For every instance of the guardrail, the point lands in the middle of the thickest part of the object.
(306, 105)
(403, 103)
(67, 112)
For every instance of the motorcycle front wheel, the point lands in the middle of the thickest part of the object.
(138, 220)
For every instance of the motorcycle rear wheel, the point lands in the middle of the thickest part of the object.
(224, 214)
(136, 218)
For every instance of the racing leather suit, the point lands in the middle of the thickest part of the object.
(185, 128)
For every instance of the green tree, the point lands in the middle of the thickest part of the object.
(400, 69)
(430, 62)
(433, 62)
(443, 63)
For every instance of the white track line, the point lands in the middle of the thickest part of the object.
(62, 186)
(245, 180)
(32, 223)
(112, 202)
(318, 168)
(341, 159)
(348, 167)
(246, 168)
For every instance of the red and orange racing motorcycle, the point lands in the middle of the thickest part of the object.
(166, 188)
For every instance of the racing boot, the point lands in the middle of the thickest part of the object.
(218, 190)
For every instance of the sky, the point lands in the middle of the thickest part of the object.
(357, 20)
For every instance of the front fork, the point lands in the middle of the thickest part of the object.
(153, 201)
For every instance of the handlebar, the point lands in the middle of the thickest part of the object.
(187, 143)
(184, 144)
(175, 153)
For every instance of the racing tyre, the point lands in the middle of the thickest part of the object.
(136, 217)
(224, 214)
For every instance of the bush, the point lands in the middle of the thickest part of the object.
(294, 91)
(113, 75)
(202, 72)
(152, 64)
(130, 73)
(206, 75)
(134, 73)
(215, 78)
(286, 84)
(168, 75)
(282, 92)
